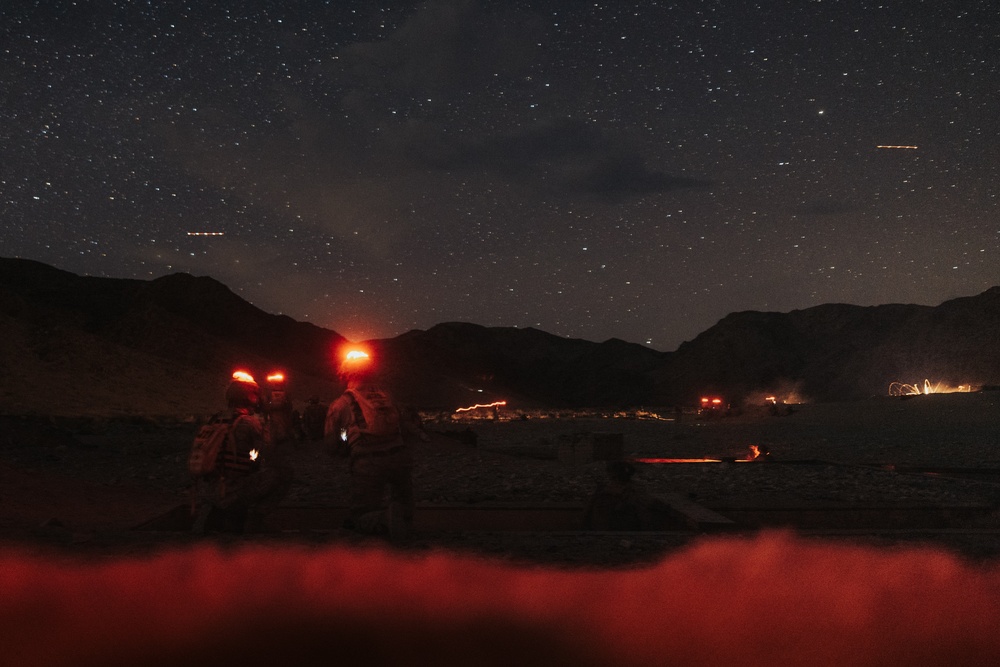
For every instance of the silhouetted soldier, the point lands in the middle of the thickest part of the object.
(280, 435)
(365, 424)
(226, 497)
(313, 418)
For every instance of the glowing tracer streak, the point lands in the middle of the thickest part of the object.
(206, 233)
(662, 460)
(910, 148)
(495, 404)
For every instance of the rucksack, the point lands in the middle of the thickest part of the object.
(374, 413)
(212, 438)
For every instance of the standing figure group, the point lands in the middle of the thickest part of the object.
(248, 472)
(252, 471)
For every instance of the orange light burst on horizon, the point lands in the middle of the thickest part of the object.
(905, 389)
(276, 377)
(494, 404)
(243, 376)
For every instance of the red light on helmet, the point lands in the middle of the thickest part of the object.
(243, 376)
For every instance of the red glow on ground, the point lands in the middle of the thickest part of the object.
(770, 600)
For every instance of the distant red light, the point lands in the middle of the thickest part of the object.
(711, 403)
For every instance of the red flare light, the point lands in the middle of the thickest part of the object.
(243, 376)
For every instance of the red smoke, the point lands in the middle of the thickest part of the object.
(771, 600)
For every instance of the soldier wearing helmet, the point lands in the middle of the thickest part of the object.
(222, 500)
(364, 424)
(252, 483)
(279, 420)
(243, 393)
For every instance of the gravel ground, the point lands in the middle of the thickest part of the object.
(835, 454)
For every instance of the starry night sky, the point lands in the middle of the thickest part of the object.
(593, 169)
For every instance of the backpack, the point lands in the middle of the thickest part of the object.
(208, 443)
(374, 413)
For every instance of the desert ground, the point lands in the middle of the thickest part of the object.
(869, 538)
(100, 487)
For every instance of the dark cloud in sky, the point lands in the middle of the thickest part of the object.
(559, 156)
(451, 55)
(443, 48)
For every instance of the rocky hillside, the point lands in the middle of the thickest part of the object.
(75, 344)
(455, 364)
(838, 351)
(166, 347)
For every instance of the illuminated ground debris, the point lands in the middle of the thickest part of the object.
(646, 414)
